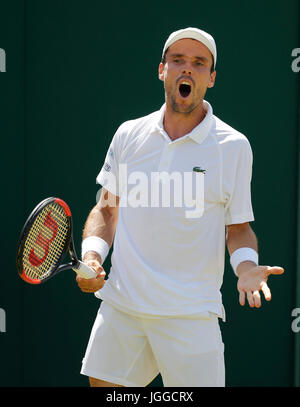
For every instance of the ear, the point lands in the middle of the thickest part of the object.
(212, 79)
(161, 71)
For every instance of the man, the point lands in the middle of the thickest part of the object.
(162, 301)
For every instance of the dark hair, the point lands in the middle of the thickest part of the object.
(163, 61)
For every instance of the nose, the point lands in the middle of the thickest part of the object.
(187, 70)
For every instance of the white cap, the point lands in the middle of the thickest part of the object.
(196, 34)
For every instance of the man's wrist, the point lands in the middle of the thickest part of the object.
(243, 255)
(91, 255)
(95, 244)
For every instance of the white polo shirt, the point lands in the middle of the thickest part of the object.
(169, 247)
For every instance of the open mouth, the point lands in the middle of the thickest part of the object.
(185, 89)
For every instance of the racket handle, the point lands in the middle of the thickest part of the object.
(84, 270)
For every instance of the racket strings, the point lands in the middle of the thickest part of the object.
(45, 241)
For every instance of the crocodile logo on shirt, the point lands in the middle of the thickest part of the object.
(199, 169)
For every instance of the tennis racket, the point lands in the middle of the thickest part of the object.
(44, 241)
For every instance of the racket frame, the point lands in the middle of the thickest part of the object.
(68, 247)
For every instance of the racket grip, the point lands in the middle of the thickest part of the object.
(84, 270)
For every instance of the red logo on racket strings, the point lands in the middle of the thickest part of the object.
(43, 242)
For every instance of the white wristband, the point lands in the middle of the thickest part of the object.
(95, 244)
(243, 254)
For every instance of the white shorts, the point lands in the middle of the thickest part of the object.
(131, 351)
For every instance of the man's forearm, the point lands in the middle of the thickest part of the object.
(101, 223)
(103, 218)
(238, 236)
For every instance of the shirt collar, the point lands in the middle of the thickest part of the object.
(198, 133)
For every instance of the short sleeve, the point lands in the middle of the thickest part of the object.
(109, 174)
(238, 208)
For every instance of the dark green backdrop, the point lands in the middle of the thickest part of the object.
(75, 71)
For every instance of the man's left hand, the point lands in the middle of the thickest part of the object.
(253, 280)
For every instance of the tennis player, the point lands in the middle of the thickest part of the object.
(161, 302)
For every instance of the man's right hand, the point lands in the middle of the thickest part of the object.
(92, 285)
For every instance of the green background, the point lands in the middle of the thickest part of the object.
(75, 70)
